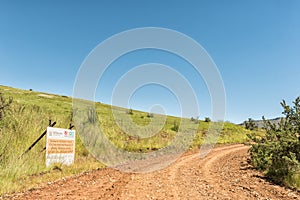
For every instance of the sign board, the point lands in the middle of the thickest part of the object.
(60, 146)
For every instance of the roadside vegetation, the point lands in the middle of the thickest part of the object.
(277, 153)
(250, 124)
(24, 115)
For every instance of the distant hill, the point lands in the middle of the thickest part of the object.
(260, 123)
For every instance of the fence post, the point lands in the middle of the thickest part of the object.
(39, 138)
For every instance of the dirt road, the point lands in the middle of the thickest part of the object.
(222, 174)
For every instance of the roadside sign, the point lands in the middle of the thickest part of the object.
(60, 146)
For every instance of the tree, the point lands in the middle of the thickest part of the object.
(278, 152)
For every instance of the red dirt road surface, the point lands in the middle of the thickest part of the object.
(223, 174)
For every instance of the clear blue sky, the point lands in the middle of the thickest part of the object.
(255, 44)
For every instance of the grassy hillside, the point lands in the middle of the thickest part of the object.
(29, 115)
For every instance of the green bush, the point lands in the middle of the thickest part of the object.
(175, 127)
(195, 120)
(150, 115)
(250, 124)
(207, 119)
(278, 152)
(130, 111)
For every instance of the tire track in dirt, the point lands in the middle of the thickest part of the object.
(198, 172)
(223, 174)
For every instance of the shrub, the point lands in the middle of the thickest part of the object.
(4, 105)
(207, 119)
(250, 124)
(150, 115)
(278, 152)
(195, 120)
(175, 127)
(130, 111)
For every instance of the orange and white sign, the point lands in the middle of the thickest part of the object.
(60, 146)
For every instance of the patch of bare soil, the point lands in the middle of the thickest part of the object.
(223, 174)
(45, 95)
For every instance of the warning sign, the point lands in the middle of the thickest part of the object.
(60, 146)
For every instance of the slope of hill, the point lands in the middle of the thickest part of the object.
(29, 115)
(260, 123)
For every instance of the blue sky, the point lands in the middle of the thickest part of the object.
(255, 45)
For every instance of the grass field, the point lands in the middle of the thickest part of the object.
(29, 116)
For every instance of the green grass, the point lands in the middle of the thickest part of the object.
(29, 116)
(293, 181)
